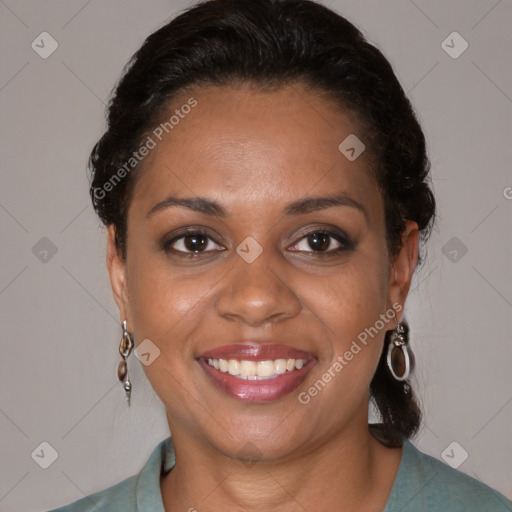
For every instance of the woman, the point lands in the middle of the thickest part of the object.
(265, 186)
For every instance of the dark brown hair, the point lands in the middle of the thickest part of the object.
(271, 43)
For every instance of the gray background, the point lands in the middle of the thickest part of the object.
(59, 323)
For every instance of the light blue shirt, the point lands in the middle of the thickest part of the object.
(422, 484)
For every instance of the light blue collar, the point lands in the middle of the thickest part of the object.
(148, 493)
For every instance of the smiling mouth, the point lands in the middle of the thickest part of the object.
(257, 372)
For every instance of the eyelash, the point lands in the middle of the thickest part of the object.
(343, 240)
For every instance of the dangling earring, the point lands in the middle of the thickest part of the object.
(398, 341)
(125, 349)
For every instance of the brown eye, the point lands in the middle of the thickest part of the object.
(319, 241)
(195, 243)
(323, 242)
(191, 242)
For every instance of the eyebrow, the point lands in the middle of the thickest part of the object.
(299, 207)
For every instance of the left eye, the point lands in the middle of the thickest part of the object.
(320, 241)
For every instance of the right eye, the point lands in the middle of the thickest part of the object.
(192, 242)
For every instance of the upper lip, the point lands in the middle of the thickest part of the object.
(253, 350)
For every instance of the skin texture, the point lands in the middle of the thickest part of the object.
(254, 152)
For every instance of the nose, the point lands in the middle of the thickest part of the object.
(257, 294)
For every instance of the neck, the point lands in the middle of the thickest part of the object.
(350, 471)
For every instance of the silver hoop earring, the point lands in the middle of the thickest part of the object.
(398, 341)
(125, 349)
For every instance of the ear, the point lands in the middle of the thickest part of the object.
(402, 267)
(117, 271)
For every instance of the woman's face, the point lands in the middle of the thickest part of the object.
(275, 273)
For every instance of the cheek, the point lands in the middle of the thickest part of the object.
(349, 305)
(168, 309)
(161, 300)
(351, 299)
(173, 308)
(349, 308)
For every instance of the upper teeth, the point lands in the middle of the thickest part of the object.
(256, 370)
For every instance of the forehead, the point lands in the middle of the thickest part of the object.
(253, 146)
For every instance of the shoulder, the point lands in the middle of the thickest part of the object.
(121, 496)
(424, 483)
(138, 492)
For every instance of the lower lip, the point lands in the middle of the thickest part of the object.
(257, 390)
